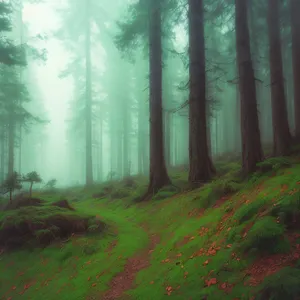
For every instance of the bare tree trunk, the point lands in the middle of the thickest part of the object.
(88, 108)
(21, 81)
(2, 160)
(251, 143)
(168, 124)
(11, 145)
(30, 189)
(295, 25)
(201, 168)
(281, 132)
(141, 136)
(126, 137)
(158, 170)
(100, 170)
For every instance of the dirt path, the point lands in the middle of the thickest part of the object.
(124, 281)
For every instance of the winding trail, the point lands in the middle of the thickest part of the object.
(124, 281)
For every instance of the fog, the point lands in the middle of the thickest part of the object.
(81, 112)
(55, 92)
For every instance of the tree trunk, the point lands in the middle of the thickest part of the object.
(30, 189)
(88, 108)
(281, 131)
(100, 167)
(201, 168)
(20, 149)
(2, 159)
(10, 195)
(168, 124)
(126, 137)
(295, 26)
(251, 143)
(11, 145)
(119, 141)
(158, 170)
(141, 136)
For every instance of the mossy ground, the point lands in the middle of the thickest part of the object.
(230, 239)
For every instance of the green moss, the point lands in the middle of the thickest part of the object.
(43, 224)
(281, 285)
(274, 164)
(287, 210)
(266, 236)
(82, 266)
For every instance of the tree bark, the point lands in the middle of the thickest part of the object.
(295, 26)
(100, 167)
(141, 136)
(168, 124)
(251, 143)
(158, 171)
(11, 145)
(3, 141)
(88, 108)
(126, 136)
(281, 132)
(30, 189)
(201, 168)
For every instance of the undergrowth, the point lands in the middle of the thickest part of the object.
(234, 238)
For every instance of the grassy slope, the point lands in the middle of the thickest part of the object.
(209, 247)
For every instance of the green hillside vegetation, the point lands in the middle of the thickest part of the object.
(229, 239)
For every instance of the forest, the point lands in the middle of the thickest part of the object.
(150, 149)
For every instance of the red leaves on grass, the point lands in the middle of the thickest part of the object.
(169, 290)
(212, 281)
(226, 287)
(205, 263)
(183, 242)
(221, 201)
(213, 249)
(267, 266)
(284, 187)
(203, 231)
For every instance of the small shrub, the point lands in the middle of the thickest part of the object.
(162, 195)
(266, 236)
(281, 285)
(226, 187)
(63, 204)
(120, 193)
(89, 249)
(273, 164)
(248, 211)
(32, 177)
(99, 195)
(165, 192)
(235, 234)
(227, 167)
(288, 211)
(210, 193)
(129, 182)
(41, 225)
(22, 201)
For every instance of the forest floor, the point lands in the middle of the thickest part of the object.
(230, 239)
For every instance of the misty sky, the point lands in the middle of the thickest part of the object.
(41, 18)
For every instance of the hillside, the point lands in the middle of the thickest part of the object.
(230, 239)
